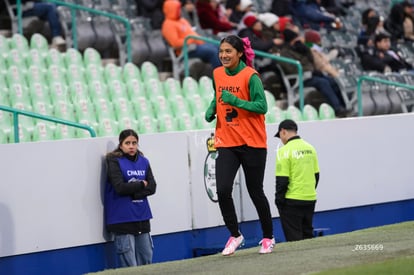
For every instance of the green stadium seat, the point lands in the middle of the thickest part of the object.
(112, 72)
(43, 131)
(4, 95)
(131, 71)
(179, 105)
(91, 56)
(94, 72)
(73, 57)
(15, 75)
(147, 124)
(16, 58)
(98, 90)
(190, 86)
(127, 123)
(270, 99)
(4, 46)
(123, 108)
(117, 89)
(275, 115)
(326, 111)
(19, 42)
(294, 113)
(59, 91)
(104, 109)
(196, 103)
(63, 131)
(64, 109)
(153, 87)
(172, 87)
(55, 73)
(3, 66)
(43, 108)
(55, 57)
(75, 73)
(19, 93)
(78, 91)
(149, 71)
(107, 127)
(167, 123)
(135, 88)
(85, 111)
(35, 74)
(186, 122)
(205, 87)
(4, 137)
(35, 57)
(39, 42)
(161, 106)
(201, 123)
(310, 113)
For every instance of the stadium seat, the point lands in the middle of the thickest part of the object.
(36, 57)
(275, 115)
(130, 71)
(270, 99)
(63, 131)
(73, 57)
(98, 90)
(78, 91)
(75, 73)
(104, 109)
(39, 42)
(127, 123)
(4, 45)
(39, 92)
(16, 58)
(149, 71)
(196, 103)
(107, 127)
(167, 123)
(172, 87)
(117, 89)
(112, 72)
(186, 122)
(19, 42)
(56, 73)
(179, 105)
(35, 74)
(205, 87)
(84, 111)
(147, 124)
(135, 88)
(190, 86)
(64, 109)
(124, 108)
(294, 113)
(326, 112)
(310, 113)
(19, 94)
(59, 91)
(153, 87)
(43, 131)
(54, 57)
(94, 72)
(161, 106)
(91, 56)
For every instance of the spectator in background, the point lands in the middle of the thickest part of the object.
(371, 23)
(399, 22)
(383, 58)
(321, 60)
(281, 7)
(212, 16)
(189, 11)
(237, 9)
(151, 9)
(271, 29)
(175, 29)
(45, 12)
(296, 49)
(310, 13)
(408, 23)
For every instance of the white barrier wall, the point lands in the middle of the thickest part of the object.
(51, 192)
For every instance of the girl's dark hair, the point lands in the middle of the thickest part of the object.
(237, 43)
(126, 133)
(122, 136)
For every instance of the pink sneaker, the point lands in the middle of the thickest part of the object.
(267, 245)
(232, 244)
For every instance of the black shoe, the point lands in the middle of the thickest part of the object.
(341, 112)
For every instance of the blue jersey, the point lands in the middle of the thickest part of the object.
(122, 209)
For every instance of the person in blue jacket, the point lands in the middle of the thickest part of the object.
(127, 211)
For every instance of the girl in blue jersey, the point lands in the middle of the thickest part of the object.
(127, 212)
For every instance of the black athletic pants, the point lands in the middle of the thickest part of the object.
(253, 162)
(297, 221)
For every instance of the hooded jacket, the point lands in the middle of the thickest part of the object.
(176, 28)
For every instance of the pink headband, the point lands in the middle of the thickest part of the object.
(248, 51)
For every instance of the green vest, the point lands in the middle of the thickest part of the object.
(298, 161)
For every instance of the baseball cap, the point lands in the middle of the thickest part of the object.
(286, 124)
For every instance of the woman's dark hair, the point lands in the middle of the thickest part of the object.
(122, 136)
(364, 16)
(126, 133)
(237, 43)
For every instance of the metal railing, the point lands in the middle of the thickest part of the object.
(73, 9)
(258, 53)
(17, 112)
(375, 79)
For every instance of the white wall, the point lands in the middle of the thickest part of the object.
(51, 192)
